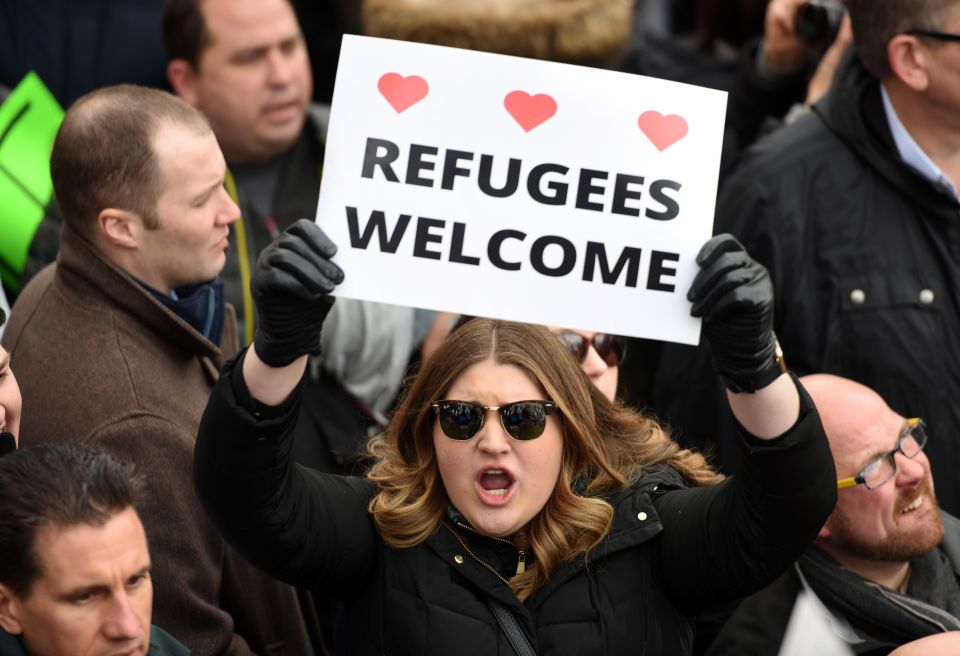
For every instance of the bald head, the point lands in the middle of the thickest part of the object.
(858, 422)
(846, 407)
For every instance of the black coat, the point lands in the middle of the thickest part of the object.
(758, 626)
(669, 552)
(865, 258)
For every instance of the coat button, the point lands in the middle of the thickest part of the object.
(857, 297)
(642, 516)
(926, 296)
(459, 559)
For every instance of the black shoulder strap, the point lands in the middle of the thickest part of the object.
(511, 627)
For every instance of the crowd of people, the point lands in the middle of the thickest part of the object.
(201, 452)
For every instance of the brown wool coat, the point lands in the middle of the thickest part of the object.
(100, 361)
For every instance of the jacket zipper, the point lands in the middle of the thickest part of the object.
(521, 567)
(521, 554)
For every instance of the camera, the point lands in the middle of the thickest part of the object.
(818, 21)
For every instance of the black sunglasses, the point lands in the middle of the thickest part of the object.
(523, 420)
(611, 348)
(934, 34)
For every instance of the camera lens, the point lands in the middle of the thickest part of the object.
(818, 21)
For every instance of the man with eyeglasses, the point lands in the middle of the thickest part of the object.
(885, 568)
(854, 210)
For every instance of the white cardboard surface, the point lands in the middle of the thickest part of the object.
(497, 109)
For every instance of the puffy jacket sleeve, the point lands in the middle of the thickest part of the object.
(729, 540)
(308, 528)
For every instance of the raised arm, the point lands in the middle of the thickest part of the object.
(291, 290)
(734, 296)
(728, 540)
(302, 526)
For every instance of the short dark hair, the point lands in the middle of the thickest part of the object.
(185, 33)
(875, 22)
(103, 155)
(58, 485)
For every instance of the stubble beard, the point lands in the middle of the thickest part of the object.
(903, 545)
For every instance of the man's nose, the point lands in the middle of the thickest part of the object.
(120, 621)
(230, 211)
(909, 470)
(279, 67)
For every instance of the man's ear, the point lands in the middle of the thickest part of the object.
(183, 79)
(120, 228)
(909, 60)
(8, 612)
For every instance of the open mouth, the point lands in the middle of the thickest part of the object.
(916, 503)
(495, 485)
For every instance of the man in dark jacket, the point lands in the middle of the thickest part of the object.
(75, 569)
(119, 343)
(854, 210)
(885, 568)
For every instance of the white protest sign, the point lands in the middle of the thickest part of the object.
(518, 189)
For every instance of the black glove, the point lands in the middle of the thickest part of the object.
(734, 296)
(290, 288)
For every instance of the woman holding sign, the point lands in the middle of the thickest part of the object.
(512, 508)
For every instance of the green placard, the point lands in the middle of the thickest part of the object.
(29, 120)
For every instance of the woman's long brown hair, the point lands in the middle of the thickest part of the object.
(606, 447)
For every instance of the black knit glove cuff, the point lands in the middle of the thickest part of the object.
(749, 372)
(733, 294)
(301, 335)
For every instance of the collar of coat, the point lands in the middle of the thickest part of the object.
(85, 269)
(853, 111)
(635, 522)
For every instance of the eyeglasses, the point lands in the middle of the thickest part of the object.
(882, 469)
(934, 34)
(611, 348)
(523, 420)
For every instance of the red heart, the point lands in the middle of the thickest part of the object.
(529, 111)
(402, 92)
(663, 131)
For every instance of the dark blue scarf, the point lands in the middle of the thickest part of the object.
(201, 306)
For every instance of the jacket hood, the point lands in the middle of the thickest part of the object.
(853, 111)
(575, 31)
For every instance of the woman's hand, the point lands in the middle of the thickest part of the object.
(734, 296)
(291, 290)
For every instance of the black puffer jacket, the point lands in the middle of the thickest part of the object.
(865, 258)
(669, 552)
